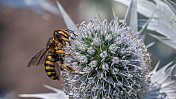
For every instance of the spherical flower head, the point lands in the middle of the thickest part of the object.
(113, 60)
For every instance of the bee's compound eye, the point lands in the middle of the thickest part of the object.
(57, 36)
(55, 33)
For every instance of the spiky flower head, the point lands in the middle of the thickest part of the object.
(113, 59)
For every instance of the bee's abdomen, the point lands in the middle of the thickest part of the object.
(50, 67)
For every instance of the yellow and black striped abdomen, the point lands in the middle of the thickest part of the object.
(50, 67)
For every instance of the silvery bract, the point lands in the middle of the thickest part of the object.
(163, 18)
(55, 94)
(112, 58)
(162, 84)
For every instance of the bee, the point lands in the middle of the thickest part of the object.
(54, 53)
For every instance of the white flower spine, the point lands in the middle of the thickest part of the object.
(114, 60)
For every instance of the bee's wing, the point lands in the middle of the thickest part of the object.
(39, 58)
(43, 57)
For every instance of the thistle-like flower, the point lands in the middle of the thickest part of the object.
(114, 61)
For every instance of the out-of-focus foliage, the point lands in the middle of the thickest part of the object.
(90, 8)
(59, 94)
(171, 4)
(131, 16)
(68, 21)
(162, 85)
(163, 20)
(131, 19)
(38, 6)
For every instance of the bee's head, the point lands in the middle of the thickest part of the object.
(58, 34)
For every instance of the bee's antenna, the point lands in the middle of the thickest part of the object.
(71, 32)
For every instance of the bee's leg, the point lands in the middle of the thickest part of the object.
(71, 69)
(63, 52)
(73, 38)
(66, 67)
(67, 40)
(71, 32)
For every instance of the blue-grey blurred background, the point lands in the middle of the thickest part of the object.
(24, 30)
